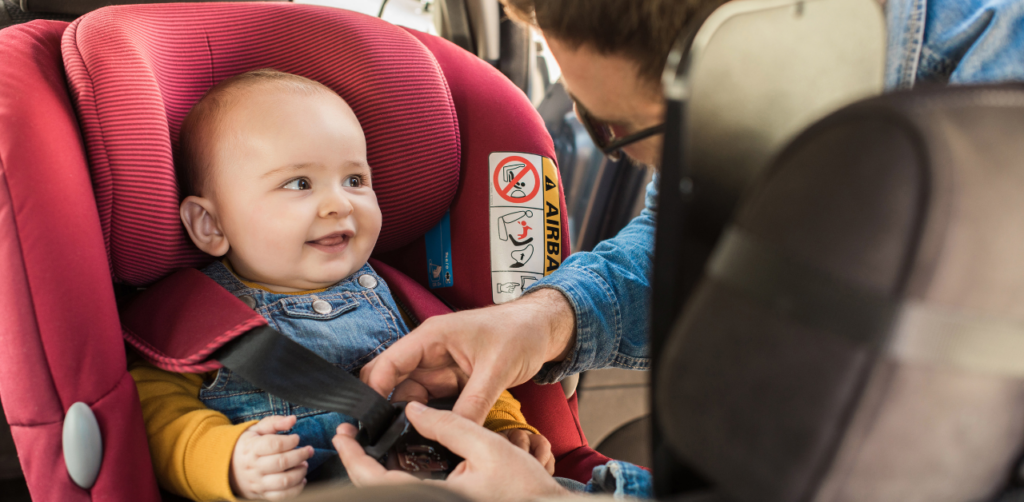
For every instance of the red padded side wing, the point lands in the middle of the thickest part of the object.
(494, 116)
(60, 339)
(154, 323)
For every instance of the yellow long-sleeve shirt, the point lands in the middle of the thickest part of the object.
(191, 445)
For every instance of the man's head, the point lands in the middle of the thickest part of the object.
(274, 172)
(612, 54)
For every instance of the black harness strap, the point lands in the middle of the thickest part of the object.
(284, 368)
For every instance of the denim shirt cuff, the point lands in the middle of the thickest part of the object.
(906, 22)
(596, 316)
(621, 480)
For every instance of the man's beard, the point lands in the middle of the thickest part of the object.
(641, 165)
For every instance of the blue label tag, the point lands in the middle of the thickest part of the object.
(439, 254)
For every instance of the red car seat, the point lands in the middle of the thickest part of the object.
(87, 194)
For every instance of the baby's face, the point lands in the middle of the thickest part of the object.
(291, 187)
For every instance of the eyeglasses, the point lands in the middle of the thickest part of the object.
(603, 136)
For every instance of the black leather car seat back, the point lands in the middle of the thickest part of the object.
(859, 330)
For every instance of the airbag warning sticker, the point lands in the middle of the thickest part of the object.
(526, 225)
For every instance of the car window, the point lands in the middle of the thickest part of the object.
(415, 14)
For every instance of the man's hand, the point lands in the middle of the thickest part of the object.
(266, 465)
(493, 469)
(485, 351)
(534, 444)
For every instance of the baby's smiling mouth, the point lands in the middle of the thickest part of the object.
(332, 243)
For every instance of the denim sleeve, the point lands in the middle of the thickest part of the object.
(609, 289)
(954, 42)
(621, 480)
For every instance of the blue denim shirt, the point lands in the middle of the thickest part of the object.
(929, 41)
(954, 42)
(347, 324)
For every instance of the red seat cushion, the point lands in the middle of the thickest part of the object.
(135, 71)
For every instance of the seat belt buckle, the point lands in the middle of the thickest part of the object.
(402, 448)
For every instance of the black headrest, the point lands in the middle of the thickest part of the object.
(859, 330)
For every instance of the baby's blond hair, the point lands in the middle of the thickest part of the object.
(192, 162)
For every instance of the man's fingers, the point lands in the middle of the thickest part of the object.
(458, 434)
(481, 392)
(362, 469)
(283, 481)
(281, 462)
(393, 365)
(410, 390)
(364, 373)
(274, 424)
(271, 444)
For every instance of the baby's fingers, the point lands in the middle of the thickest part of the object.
(281, 462)
(539, 446)
(519, 438)
(286, 494)
(284, 485)
(541, 449)
(274, 443)
(274, 424)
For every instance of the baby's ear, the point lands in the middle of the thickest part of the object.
(200, 218)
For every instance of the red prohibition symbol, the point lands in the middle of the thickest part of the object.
(504, 192)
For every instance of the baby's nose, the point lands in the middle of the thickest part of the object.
(336, 205)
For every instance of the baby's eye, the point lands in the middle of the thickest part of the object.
(354, 181)
(298, 184)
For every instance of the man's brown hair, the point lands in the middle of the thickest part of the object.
(192, 162)
(641, 30)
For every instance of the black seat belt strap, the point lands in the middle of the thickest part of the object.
(284, 368)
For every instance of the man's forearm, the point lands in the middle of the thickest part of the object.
(606, 293)
(552, 305)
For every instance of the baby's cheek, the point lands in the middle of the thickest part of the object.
(276, 237)
(370, 220)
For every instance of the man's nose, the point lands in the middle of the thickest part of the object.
(335, 204)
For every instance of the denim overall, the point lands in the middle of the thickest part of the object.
(347, 324)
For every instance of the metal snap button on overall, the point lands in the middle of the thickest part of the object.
(248, 300)
(367, 281)
(321, 307)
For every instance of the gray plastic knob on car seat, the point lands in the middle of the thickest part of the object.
(83, 445)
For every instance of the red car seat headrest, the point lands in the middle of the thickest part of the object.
(135, 71)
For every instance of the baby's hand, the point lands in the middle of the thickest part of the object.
(266, 465)
(535, 444)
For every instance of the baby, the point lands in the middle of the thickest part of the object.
(276, 182)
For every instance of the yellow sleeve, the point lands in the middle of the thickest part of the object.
(505, 415)
(191, 445)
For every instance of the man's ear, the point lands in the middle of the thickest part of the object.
(200, 218)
